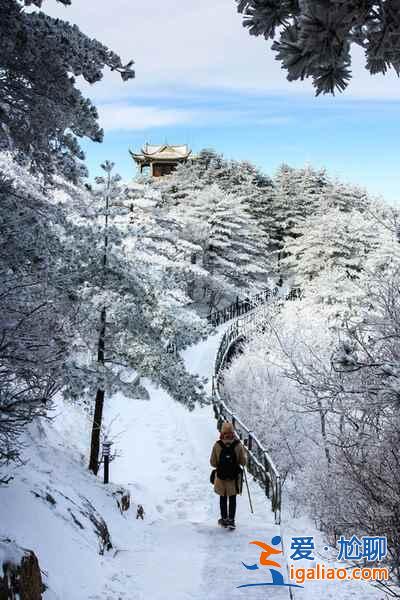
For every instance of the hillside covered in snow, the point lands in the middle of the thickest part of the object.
(177, 551)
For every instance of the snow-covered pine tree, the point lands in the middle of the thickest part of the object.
(157, 238)
(42, 112)
(250, 245)
(134, 302)
(231, 243)
(330, 239)
(314, 184)
(141, 249)
(242, 180)
(384, 260)
(277, 206)
(297, 194)
(209, 168)
(347, 197)
(253, 191)
(38, 304)
(261, 204)
(109, 193)
(314, 37)
(53, 292)
(189, 178)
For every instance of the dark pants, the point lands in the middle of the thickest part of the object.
(223, 503)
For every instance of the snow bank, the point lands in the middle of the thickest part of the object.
(10, 553)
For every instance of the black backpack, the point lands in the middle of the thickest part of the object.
(228, 467)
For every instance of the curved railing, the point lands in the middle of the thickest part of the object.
(240, 307)
(239, 329)
(260, 463)
(246, 325)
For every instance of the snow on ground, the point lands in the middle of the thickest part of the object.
(177, 552)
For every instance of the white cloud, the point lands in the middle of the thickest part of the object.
(186, 43)
(122, 116)
(130, 117)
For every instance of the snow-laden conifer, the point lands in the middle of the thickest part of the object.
(73, 321)
(314, 38)
(42, 112)
(330, 239)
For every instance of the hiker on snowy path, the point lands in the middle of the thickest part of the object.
(227, 457)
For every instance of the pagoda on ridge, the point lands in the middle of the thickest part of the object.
(161, 160)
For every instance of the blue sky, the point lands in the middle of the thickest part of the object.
(201, 79)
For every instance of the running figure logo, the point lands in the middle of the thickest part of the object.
(269, 554)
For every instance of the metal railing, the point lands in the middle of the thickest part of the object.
(260, 464)
(240, 307)
(240, 329)
(246, 325)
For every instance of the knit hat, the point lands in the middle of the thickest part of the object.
(227, 427)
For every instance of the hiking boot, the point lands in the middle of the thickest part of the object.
(230, 524)
(223, 522)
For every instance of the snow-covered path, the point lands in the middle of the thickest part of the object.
(178, 552)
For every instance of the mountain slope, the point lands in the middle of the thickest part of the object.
(177, 552)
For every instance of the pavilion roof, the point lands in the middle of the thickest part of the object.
(162, 152)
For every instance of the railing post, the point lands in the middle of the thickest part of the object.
(267, 478)
(278, 501)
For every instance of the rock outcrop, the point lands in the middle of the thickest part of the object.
(20, 576)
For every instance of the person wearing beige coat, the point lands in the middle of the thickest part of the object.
(227, 489)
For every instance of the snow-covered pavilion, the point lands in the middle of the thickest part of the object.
(161, 160)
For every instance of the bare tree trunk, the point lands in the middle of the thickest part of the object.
(94, 462)
(99, 403)
(96, 428)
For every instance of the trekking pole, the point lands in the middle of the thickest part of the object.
(248, 491)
